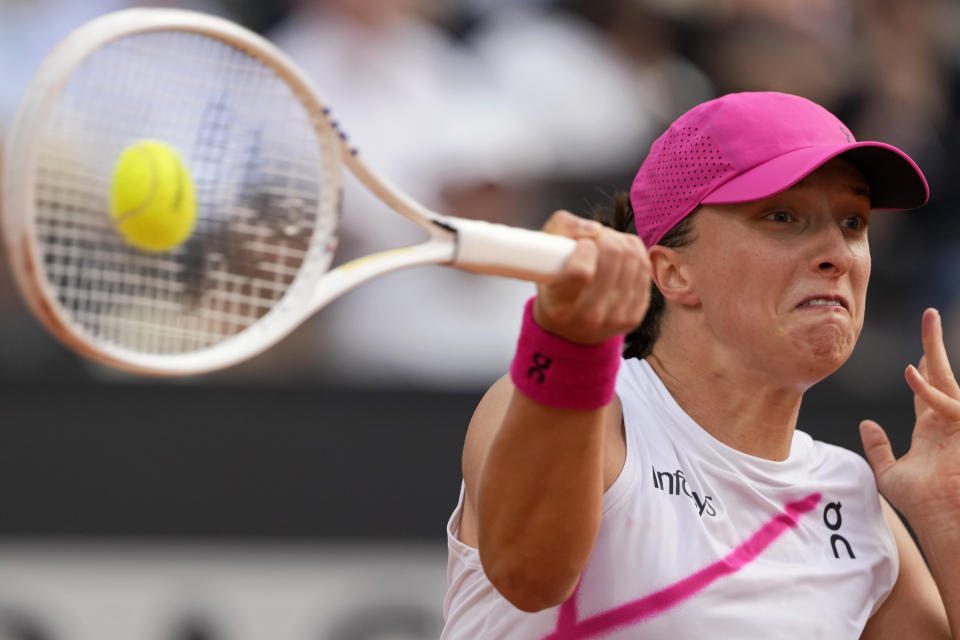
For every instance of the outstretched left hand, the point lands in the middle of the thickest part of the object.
(924, 484)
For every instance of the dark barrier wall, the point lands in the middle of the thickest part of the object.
(128, 460)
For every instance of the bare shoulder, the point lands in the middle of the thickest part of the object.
(914, 608)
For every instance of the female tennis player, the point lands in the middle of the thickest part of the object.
(669, 494)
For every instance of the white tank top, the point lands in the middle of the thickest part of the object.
(699, 540)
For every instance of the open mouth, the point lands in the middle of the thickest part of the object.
(824, 301)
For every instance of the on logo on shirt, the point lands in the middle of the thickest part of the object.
(675, 483)
(834, 520)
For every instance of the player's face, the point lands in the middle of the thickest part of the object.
(783, 281)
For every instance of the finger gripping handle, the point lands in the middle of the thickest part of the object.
(498, 249)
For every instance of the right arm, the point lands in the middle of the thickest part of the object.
(535, 474)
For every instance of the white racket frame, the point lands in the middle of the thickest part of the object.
(472, 245)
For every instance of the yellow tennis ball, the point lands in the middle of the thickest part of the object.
(152, 199)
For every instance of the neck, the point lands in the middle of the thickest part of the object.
(741, 406)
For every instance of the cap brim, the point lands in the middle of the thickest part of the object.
(895, 180)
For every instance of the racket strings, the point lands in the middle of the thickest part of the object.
(262, 181)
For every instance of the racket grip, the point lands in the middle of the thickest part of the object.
(497, 249)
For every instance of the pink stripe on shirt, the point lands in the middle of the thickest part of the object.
(569, 628)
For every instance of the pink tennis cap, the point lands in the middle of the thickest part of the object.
(748, 146)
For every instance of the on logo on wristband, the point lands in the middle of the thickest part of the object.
(540, 364)
(581, 376)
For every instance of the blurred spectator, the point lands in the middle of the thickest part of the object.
(419, 110)
(649, 35)
(577, 94)
(477, 130)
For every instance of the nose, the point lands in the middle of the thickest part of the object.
(832, 256)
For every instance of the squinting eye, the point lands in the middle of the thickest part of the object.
(779, 216)
(855, 223)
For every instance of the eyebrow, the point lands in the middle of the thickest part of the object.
(855, 189)
(859, 190)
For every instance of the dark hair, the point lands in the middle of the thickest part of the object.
(639, 342)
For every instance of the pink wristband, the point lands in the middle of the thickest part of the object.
(558, 373)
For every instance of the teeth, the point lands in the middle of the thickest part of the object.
(821, 301)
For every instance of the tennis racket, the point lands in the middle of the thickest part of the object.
(266, 158)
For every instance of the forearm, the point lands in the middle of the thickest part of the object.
(539, 500)
(939, 538)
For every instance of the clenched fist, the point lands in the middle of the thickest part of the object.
(604, 288)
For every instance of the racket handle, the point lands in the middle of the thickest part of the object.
(497, 249)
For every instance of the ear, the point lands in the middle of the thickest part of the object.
(672, 276)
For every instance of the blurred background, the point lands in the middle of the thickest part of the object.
(304, 494)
